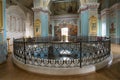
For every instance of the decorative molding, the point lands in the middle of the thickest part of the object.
(115, 7)
(60, 71)
(106, 11)
(89, 6)
(65, 17)
(38, 9)
(83, 9)
(93, 5)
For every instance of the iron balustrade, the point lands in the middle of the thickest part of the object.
(51, 52)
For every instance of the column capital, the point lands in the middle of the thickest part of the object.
(92, 5)
(82, 8)
(38, 9)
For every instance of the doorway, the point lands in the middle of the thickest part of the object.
(64, 34)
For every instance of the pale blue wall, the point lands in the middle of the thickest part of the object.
(3, 52)
(105, 22)
(118, 23)
(112, 17)
(107, 25)
(44, 24)
(1, 38)
(53, 29)
(84, 23)
(3, 44)
(118, 26)
(99, 26)
(4, 19)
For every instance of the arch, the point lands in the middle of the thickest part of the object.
(16, 10)
(15, 18)
(16, 22)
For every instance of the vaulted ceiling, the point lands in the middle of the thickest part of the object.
(29, 3)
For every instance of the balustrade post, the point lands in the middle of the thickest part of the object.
(80, 54)
(109, 46)
(24, 42)
(13, 46)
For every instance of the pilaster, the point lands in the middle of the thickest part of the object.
(43, 16)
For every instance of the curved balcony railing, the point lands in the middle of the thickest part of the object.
(52, 52)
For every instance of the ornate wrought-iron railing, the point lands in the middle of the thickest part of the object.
(51, 52)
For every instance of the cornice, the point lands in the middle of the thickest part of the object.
(65, 17)
(105, 11)
(115, 7)
(38, 9)
(89, 6)
(93, 5)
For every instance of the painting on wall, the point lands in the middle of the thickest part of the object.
(64, 8)
(50, 29)
(1, 19)
(37, 28)
(93, 25)
(57, 31)
(112, 28)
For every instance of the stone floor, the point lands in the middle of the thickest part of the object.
(8, 71)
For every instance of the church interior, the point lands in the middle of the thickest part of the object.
(59, 39)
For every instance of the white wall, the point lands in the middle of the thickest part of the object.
(15, 22)
(19, 23)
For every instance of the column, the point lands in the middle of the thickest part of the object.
(84, 21)
(44, 23)
(105, 22)
(117, 23)
(99, 30)
(41, 13)
(3, 44)
(93, 17)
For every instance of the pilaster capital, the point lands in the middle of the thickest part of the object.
(92, 5)
(38, 9)
(82, 8)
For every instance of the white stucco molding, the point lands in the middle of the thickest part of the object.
(115, 7)
(64, 71)
(38, 9)
(105, 11)
(74, 16)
